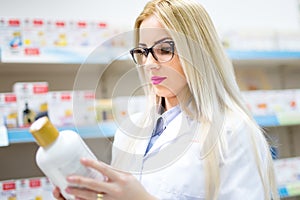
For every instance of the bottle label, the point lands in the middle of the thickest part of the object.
(73, 165)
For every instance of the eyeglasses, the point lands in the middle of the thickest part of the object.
(162, 51)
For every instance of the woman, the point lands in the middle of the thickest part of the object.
(196, 140)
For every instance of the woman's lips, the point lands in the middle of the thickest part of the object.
(157, 79)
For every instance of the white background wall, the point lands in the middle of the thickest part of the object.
(227, 15)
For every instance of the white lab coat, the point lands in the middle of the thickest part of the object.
(176, 171)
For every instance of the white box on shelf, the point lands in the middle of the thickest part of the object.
(29, 189)
(31, 100)
(125, 106)
(8, 190)
(287, 173)
(60, 107)
(8, 110)
(26, 189)
(72, 107)
(84, 107)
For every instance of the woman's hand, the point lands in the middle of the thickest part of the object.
(117, 186)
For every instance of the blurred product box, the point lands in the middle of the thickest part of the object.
(125, 106)
(104, 110)
(288, 176)
(72, 108)
(29, 189)
(272, 102)
(39, 188)
(84, 107)
(60, 107)
(8, 110)
(12, 36)
(31, 101)
(8, 190)
(34, 36)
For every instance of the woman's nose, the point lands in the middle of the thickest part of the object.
(150, 59)
(151, 63)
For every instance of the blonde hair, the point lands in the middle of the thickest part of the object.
(211, 85)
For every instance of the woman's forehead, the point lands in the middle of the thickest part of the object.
(151, 31)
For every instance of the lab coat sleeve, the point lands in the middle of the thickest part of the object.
(124, 155)
(121, 138)
(240, 177)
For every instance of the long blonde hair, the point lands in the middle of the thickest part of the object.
(211, 84)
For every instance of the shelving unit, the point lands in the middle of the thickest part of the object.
(62, 76)
(263, 55)
(274, 70)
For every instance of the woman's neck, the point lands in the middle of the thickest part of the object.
(170, 103)
(183, 97)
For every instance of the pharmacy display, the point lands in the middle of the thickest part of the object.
(56, 41)
(29, 101)
(30, 40)
(33, 40)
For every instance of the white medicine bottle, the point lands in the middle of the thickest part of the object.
(59, 154)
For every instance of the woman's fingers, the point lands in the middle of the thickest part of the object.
(105, 169)
(81, 193)
(56, 193)
(88, 188)
(91, 184)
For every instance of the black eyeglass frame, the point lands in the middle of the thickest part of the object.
(150, 50)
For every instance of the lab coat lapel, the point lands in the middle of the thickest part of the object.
(176, 127)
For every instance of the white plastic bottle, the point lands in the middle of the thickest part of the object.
(59, 154)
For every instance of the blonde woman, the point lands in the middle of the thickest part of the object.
(196, 140)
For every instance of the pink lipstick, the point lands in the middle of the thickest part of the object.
(157, 79)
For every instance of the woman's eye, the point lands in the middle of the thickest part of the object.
(165, 50)
(138, 51)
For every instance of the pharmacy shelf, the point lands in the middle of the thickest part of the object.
(261, 55)
(281, 119)
(289, 190)
(288, 176)
(103, 130)
(69, 57)
(107, 129)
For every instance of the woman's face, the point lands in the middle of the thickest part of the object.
(167, 77)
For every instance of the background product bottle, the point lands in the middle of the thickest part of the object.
(28, 115)
(59, 154)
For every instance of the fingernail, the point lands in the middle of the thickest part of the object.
(71, 178)
(83, 159)
(67, 190)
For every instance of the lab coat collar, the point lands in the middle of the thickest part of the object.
(175, 129)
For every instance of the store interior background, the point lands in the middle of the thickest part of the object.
(252, 16)
(232, 15)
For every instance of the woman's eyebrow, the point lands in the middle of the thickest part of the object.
(156, 42)
(165, 38)
(142, 44)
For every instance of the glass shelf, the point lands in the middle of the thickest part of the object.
(260, 55)
(103, 130)
(108, 129)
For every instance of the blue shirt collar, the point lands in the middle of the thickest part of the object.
(169, 115)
